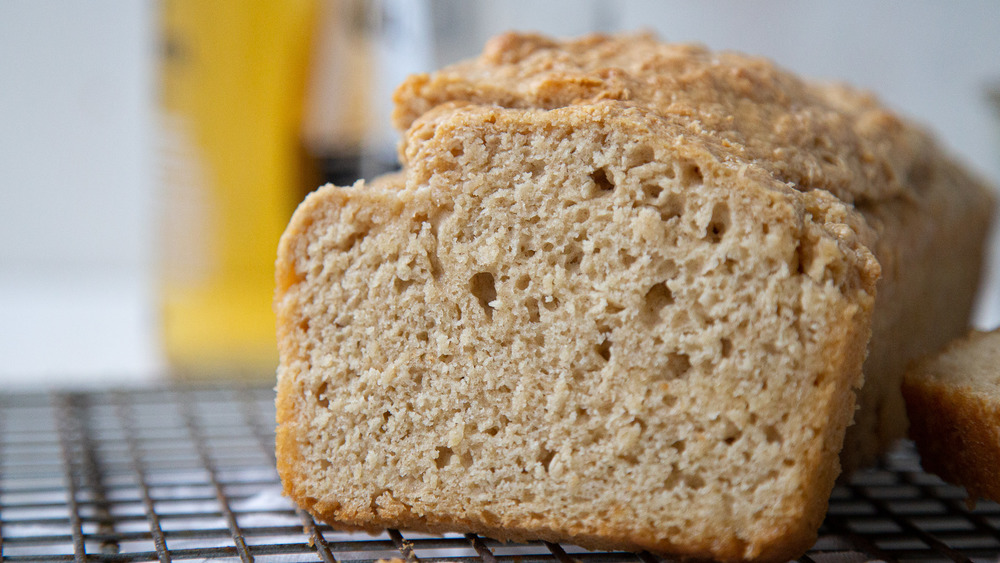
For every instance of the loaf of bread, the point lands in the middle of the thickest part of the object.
(584, 324)
(953, 401)
(931, 218)
(619, 296)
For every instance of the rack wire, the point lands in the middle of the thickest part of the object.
(181, 473)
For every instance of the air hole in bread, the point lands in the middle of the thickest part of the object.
(435, 263)
(574, 256)
(672, 208)
(726, 347)
(629, 459)
(731, 432)
(602, 181)
(457, 151)
(582, 415)
(492, 431)
(465, 459)
(719, 224)
(400, 285)
(545, 458)
(651, 191)
(550, 302)
(627, 259)
(522, 283)
(444, 456)
(613, 308)
(678, 363)
(673, 479)
(532, 305)
(524, 250)
(603, 347)
(771, 434)
(803, 255)
(690, 175)
(582, 215)
(658, 297)
(604, 350)
(482, 286)
(321, 395)
(351, 240)
(536, 168)
(639, 155)
(694, 481)
(728, 267)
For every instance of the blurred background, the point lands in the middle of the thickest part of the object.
(152, 151)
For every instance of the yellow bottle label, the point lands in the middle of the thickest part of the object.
(233, 83)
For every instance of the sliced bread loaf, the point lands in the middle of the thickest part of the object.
(953, 400)
(930, 217)
(589, 324)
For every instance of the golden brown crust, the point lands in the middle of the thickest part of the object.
(812, 136)
(954, 421)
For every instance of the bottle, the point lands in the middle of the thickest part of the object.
(234, 75)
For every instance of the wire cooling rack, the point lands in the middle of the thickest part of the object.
(180, 474)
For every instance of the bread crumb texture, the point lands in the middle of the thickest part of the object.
(626, 319)
(953, 400)
(929, 217)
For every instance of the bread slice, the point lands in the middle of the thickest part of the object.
(953, 400)
(931, 218)
(590, 324)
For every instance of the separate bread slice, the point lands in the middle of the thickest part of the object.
(589, 324)
(930, 217)
(953, 401)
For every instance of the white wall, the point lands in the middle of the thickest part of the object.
(76, 214)
(77, 99)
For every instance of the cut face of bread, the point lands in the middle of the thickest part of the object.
(586, 325)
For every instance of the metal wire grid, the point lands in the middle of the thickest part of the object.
(188, 474)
